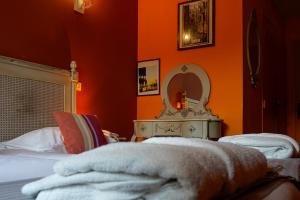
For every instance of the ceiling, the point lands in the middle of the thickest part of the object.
(289, 8)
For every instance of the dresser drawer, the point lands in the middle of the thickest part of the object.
(206, 129)
(143, 129)
(195, 129)
(215, 129)
(167, 128)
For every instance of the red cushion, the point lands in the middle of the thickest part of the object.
(80, 132)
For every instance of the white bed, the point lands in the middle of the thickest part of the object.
(19, 165)
(166, 172)
(23, 164)
(33, 154)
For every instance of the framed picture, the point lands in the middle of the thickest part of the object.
(148, 77)
(195, 24)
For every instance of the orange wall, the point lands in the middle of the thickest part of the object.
(157, 38)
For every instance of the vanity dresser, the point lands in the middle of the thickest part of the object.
(185, 93)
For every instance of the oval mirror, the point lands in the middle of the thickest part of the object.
(184, 91)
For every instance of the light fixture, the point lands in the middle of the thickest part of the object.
(76, 84)
(186, 37)
(81, 5)
(78, 87)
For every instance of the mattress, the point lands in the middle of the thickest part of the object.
(12, 190)
(21, 164)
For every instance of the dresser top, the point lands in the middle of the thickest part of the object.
(175, 120)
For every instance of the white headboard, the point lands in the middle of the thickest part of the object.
(30, 93)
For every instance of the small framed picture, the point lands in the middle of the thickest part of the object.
(148, 77)
(195, 24)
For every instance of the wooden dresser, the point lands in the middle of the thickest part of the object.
(185, 93)
(201, 128)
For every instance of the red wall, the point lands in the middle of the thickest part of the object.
(35, 31)
(103, 42)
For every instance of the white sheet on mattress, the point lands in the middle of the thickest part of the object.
(22, 164)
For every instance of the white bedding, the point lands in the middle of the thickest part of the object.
(273, 146)
(33, 154)
(196, 168)
(22, 164)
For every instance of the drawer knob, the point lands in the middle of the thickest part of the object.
(192, 129)
(143, 127)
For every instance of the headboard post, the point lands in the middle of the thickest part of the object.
(74, 81)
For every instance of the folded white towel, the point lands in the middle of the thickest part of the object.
(290, 139)
(152, 171)
(244, 166)
(271, 145)
(177, 172)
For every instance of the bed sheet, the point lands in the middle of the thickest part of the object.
(286, 167)
(12, 190)
(22, 164)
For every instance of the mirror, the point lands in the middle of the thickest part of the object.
(184, 91)
(253, 48)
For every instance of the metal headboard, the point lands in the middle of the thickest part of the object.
(30, 93)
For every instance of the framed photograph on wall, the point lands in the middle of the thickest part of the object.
(195, 24)
(148, 77)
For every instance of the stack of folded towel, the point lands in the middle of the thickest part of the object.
(273, 146)
(164, 169)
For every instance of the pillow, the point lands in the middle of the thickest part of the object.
(80, 132)
(45, 139)
(110, 137)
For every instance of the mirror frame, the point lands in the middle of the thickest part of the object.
(254, 70)
(199, 111)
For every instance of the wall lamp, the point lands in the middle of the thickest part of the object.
(76, 84)
(81, 5)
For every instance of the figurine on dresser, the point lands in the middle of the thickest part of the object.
(185, 93)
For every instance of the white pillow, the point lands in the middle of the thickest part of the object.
(46, 139)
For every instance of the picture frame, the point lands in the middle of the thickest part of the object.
(148, 77)
(196, 24)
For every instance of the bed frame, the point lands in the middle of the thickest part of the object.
(30, 93)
